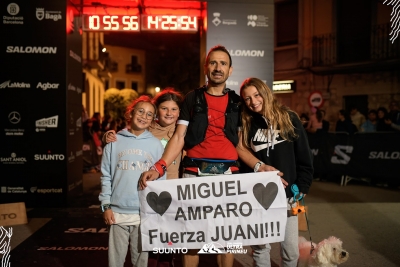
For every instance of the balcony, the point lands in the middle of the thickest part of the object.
(130, 68)
(93, 64)
(383, 54)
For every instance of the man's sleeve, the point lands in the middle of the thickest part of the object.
(184, 115)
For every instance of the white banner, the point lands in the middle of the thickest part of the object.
(222, 210)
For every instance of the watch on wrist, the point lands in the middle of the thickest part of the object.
(105, 207)
(257, 166)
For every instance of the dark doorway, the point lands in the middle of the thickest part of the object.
(358, 101)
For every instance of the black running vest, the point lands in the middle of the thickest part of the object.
(198, 123)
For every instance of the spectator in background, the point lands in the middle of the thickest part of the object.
(394, 113)
(344, 123)
(394, 116)
(315, 122)
(325, 123)
(91, 160)
(356, 117)
(304, 119)
(96, 133)
(113, 126)
(381, 125)
(392, 125)
(120, 124)
(96, 118)
(85, 115)
(105, 125)
(370, 125)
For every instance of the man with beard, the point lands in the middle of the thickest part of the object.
(207, 130)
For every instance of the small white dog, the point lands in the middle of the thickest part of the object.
(328, 253)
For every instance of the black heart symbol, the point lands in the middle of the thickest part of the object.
(265, 195)
(161, 203)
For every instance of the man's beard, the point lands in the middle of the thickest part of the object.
(215, 82)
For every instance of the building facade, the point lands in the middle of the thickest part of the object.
(341, 49)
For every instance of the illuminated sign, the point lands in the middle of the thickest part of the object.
(121, 23)
(130, 23)
(169, 23)
(288, 86)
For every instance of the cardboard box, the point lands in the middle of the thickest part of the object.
(13, 214)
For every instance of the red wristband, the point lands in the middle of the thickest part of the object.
(161, 167)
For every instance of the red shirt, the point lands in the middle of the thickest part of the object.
(215, 145)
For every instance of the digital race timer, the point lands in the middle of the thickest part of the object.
(130, 23)
(110, 23)
(169, 23)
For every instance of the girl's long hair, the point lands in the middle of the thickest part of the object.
(276, 114)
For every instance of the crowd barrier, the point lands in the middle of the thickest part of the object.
(365, 156)
(372, 156)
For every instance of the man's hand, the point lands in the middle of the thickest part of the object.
(268, 168)
(108, 216)
(150, 175)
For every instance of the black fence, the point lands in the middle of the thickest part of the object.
(374, 157)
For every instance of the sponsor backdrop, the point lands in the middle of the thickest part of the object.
(247, 31)
(40, 99)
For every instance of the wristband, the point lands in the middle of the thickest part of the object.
(105, 207)
(257, 166)
(160, 167)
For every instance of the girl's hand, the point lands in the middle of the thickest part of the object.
(110, 136)
(108, 216)
(268, 168)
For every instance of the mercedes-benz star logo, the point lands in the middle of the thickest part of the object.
(14, 117)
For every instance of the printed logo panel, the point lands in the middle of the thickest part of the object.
(12, 18)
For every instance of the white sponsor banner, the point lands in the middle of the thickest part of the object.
(246, 208)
